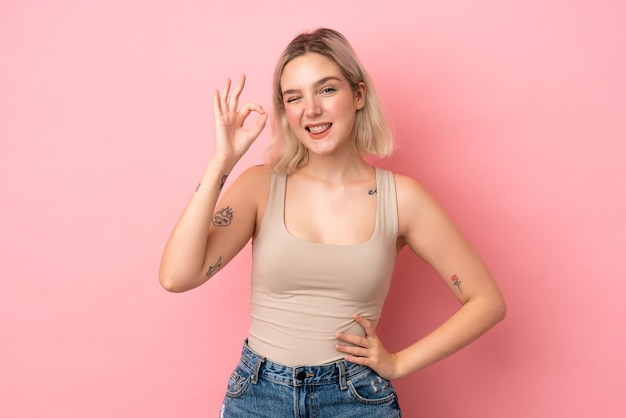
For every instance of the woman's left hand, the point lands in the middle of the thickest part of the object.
(368, 350)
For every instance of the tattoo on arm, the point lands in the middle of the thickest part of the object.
(223, 217)
(223, 181)
(214, 268)
(456, 282)
(372, 191)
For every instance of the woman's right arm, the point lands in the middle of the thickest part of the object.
(202, 241)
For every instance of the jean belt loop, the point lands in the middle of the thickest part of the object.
(343, 379)
(257, 369)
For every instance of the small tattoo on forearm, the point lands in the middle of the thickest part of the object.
(223, 217)
(456, 282)
(372, 191)
(223, 181)
(215, 267)
(198, 188)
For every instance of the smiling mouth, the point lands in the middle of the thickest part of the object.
(318, 129)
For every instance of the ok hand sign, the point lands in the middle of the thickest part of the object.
(232, 140)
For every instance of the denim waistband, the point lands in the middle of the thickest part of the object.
(336, 372)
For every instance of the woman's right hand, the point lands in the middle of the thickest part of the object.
(232, 139)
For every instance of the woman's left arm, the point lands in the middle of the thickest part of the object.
(429, 233)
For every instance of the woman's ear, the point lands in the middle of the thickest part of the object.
(360, 95)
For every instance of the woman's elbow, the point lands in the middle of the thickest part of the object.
(493, 308)
(172, 283)
(499, 309)
(168, 284)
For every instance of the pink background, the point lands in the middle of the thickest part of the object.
(512, 113)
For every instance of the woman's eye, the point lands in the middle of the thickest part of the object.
(291, 99)
(328, 90)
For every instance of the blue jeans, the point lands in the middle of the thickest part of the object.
(261, 388)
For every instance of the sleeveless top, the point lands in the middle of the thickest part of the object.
(303, 293)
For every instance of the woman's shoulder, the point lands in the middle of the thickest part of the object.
(253, 180)
(259, 170)
(249, 192)
(412, 196)
(407, 186)
(256, 173)
(416, 206)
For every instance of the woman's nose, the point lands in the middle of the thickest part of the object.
(312, 107)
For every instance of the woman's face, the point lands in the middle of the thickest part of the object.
(320, 105)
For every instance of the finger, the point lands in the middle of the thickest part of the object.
(224, 96)
(217, 109)
(352, 339)
(354, 357)
(248, 108)
(258, 125)
(354, 351)
(245, 111)
(357, 360)
(366, 324)
(234, 97)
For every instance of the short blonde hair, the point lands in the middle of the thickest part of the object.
(371, 133)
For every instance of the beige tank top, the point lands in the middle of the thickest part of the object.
(303, 293)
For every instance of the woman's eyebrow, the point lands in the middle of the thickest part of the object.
(316, 84)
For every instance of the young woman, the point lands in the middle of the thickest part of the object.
(326, 229)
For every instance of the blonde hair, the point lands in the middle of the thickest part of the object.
(371, 133)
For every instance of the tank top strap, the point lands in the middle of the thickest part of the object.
(387, 212)
(275, 210)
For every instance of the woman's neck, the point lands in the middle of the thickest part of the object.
(334, 169)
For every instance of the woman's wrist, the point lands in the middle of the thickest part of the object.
(216, 173)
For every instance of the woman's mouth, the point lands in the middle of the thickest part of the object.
(318, 131)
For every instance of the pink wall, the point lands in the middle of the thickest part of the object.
(511, 113)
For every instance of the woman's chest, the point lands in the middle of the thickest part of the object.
(345, 217)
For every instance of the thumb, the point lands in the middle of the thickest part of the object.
(259, 124)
